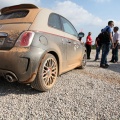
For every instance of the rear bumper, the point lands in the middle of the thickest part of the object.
(21, 63)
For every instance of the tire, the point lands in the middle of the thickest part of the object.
(84, 61)
(47, 74)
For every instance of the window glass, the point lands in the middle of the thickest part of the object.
(16, 14)
(68, 27)
(54, 21)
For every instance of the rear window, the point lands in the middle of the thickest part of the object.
(15, 14)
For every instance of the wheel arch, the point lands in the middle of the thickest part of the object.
(57, 58)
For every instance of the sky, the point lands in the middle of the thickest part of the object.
(85, 15)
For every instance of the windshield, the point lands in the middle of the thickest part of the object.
(15, 14)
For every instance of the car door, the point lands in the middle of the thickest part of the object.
(73, 44)
(58, 40)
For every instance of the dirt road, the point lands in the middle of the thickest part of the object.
(89, 94)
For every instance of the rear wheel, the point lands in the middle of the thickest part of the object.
(47, 74)
(84, 61)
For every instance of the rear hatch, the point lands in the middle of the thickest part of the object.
(13, 21)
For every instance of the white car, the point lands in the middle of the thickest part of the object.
(37, 45)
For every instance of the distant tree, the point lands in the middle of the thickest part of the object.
(93, 46)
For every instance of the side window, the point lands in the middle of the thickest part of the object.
(68, 27)
(54, 21)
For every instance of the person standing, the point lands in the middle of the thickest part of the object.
(98, 47)
(107, 44)
(88, 45)
(116, 39)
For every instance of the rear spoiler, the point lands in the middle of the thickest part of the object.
(16, 7)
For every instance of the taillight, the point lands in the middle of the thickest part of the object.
(25, 39)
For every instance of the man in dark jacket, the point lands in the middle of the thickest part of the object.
(98, 47)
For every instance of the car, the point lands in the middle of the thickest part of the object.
(37, 45)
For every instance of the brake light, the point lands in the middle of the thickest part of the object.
(25, 39)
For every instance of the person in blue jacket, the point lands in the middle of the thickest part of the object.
(107, 44)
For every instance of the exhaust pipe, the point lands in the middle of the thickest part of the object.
(10, 78)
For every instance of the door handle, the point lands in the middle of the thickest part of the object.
(69, 41)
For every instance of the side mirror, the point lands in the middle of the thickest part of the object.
(80, 35)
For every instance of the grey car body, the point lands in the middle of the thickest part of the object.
(37, 45)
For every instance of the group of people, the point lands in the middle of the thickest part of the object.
(112, 42)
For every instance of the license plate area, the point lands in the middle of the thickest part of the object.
(2, 41)
(2, 37)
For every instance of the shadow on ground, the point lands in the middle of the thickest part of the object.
(15, 88)
(115, 67)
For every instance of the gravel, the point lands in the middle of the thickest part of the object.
(89, 94)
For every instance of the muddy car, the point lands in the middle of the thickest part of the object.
(37, 45)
